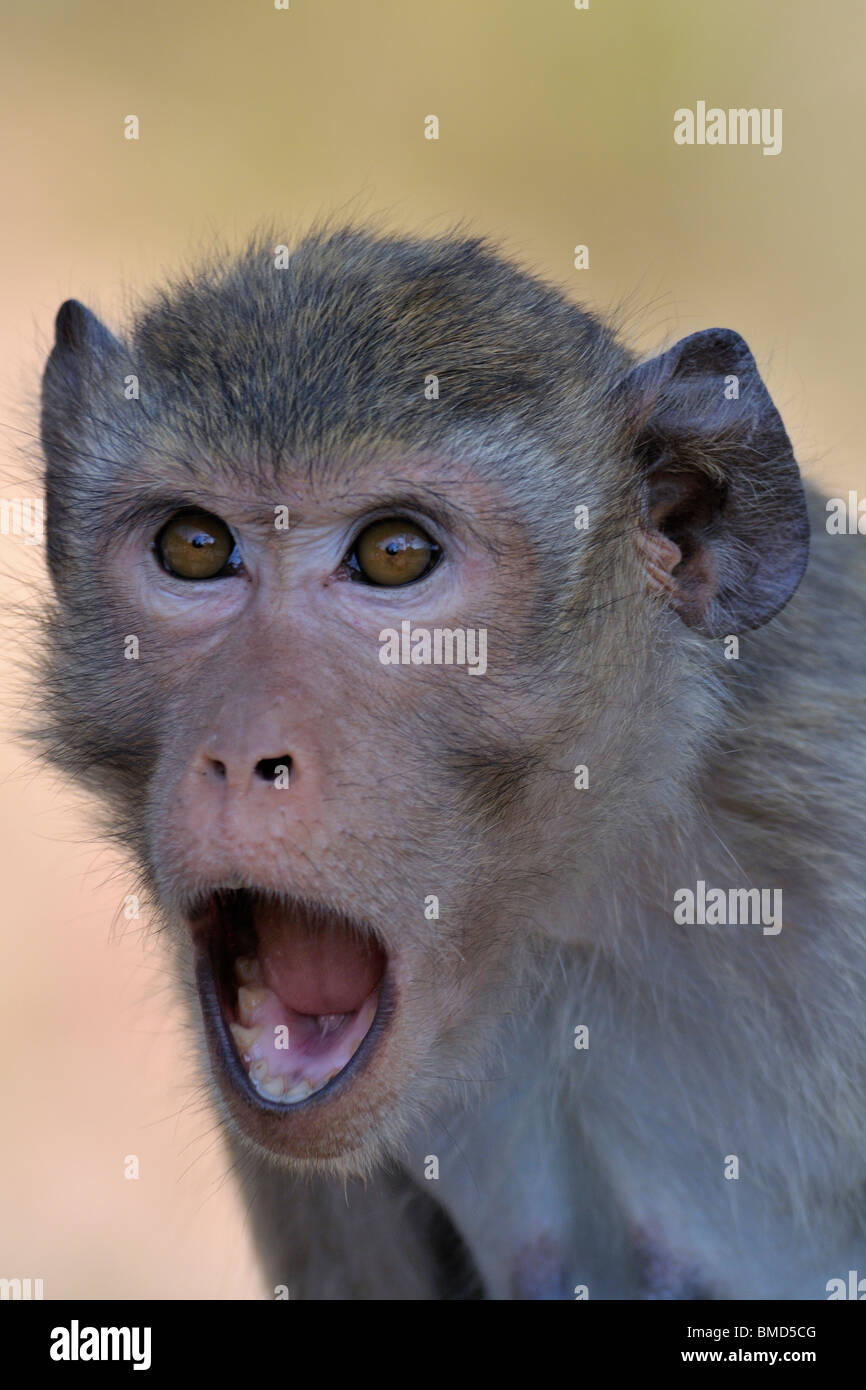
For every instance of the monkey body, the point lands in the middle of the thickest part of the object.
(546, 1086)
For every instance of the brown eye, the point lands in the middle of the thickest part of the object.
(393, 552)
(196, 545)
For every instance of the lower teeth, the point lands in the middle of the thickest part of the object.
(252, 1000)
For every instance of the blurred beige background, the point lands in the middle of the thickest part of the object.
(555, 129)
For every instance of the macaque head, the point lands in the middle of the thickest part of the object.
(357, 553)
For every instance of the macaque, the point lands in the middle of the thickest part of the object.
(536, 977)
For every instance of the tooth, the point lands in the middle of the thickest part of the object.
(244, 1037)
(248, 970)
(274, 1087)
(259, 1071)
(301, 1091)
(248, 1001)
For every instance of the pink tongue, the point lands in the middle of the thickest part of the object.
(315, 968)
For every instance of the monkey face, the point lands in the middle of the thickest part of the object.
(306, 824)
(274, 566)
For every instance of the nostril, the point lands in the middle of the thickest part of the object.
(217, 767)
(275, 770)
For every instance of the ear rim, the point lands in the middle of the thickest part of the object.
(655, 417)
(78, 367)
(82, 354)
(78, 330)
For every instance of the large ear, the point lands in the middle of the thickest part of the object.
(725, 531)
(82, 387)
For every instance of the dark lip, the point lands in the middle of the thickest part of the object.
(210, 977)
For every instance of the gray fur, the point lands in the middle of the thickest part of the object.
(558, 1168)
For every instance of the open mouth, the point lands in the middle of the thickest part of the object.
(296, 987)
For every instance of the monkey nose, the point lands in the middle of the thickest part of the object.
(242, 774)
(271, 769)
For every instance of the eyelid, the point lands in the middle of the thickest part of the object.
(404, 513)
